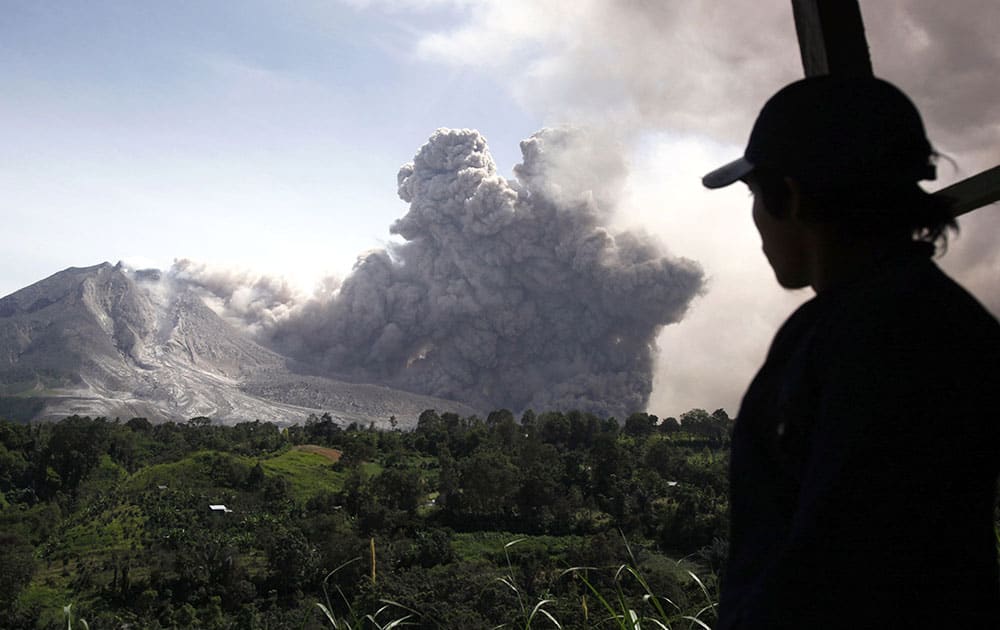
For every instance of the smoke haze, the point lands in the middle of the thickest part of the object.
(504, 293)
(673, 87)
(690, 77)
(250, 301)
(706, 68)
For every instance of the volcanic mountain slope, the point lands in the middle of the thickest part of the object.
(104, 340)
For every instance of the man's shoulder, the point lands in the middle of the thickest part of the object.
(939, 305)
(908, 318)
(912, 298)
(912, 320)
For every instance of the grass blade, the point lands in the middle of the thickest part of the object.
(554, 621)
(697, 621)
(597, 594)
(539, 609)
(701, 585)
(329, 615)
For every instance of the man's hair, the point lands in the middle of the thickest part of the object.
(885, 209)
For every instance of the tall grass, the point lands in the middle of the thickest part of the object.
(539, 609)
(623, 614)
(68, 611)
(615, 608)
(353, 620)
(626, 602)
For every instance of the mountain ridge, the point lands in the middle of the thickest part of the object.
(108, 340)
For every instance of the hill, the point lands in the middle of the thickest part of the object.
(108, 341)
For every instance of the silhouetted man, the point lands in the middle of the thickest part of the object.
(866, 450)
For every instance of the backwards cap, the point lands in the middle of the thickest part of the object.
(830, 132)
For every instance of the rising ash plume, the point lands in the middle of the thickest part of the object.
(503, 293)
(250, 301)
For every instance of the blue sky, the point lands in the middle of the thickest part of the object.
(268, 135)
(243, 133)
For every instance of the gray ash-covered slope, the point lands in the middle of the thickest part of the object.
(106, 341)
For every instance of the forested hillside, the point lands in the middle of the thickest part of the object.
(461, 523)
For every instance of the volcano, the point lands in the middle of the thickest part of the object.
(110, 341)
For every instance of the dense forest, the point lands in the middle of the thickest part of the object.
(550, 520)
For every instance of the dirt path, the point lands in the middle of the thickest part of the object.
(330, 453)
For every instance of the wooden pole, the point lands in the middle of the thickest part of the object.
(831, 37)
(974, 192)
(832, 40)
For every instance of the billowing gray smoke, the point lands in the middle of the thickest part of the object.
(504, 294)
(250, 301)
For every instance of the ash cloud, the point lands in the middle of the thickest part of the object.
(699, 72)
(253, 302)
(504, 293)
(707, 67)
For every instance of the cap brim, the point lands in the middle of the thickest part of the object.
(728, 174)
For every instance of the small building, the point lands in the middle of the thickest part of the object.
(219, 508)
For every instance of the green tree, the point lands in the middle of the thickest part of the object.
(640, 425)
(488, 481)
(292, 561)
(17, 566)
(74, 447)
(400, 488)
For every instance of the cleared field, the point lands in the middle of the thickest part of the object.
(308, 472)
(331, 454)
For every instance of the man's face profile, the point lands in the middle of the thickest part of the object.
(782, 239)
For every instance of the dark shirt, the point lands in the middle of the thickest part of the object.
(864, 462)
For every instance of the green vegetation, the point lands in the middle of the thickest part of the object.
(308, 474)
(553, 520)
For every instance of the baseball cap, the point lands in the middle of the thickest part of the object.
(834, 131)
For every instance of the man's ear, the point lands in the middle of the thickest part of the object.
(793, 198)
